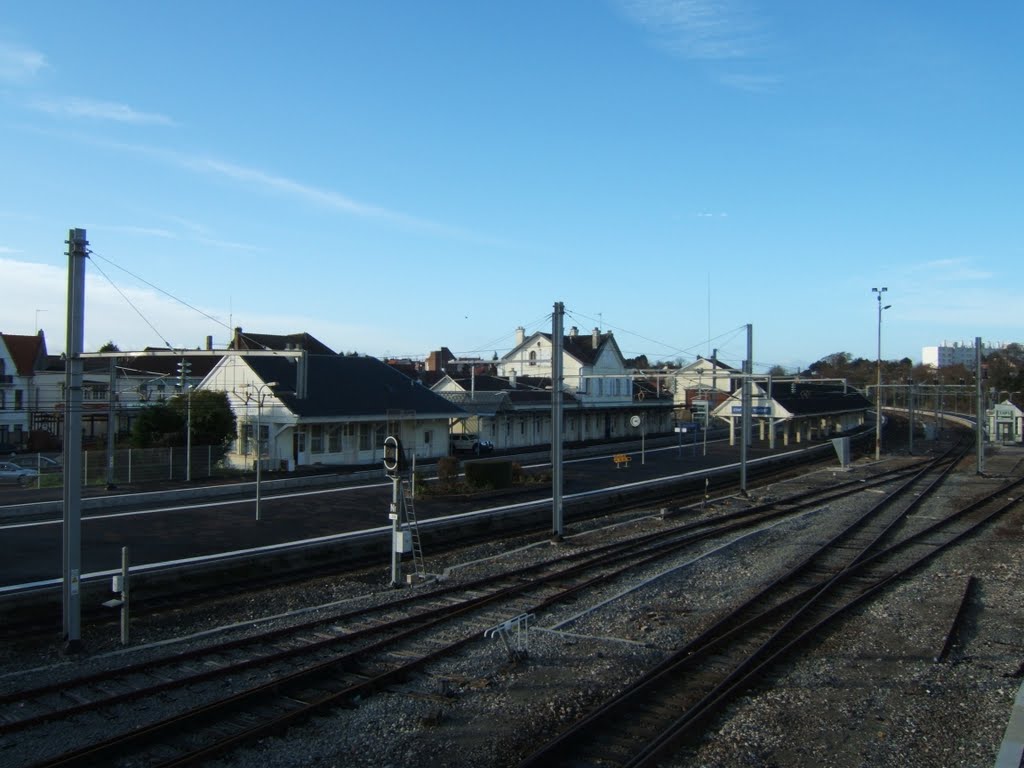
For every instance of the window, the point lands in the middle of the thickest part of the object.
(316, 438)
(3, 399)
(381, 434)
(365, 437)
(428, 437)
(334, 439)
(18, 397)
(533, 357)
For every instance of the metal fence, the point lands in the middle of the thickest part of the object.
(139, 465)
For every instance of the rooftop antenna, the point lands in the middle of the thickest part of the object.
(709, 311)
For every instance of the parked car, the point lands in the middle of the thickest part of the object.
(465, 442)
(15, 473)
(39, 462)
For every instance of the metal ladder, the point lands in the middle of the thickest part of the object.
(414, 530)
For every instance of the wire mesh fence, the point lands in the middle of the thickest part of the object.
(134, 465)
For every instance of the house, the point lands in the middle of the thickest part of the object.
(20, 357)
(701, 386)
(802, 410)
(328, 409)
(511, 413)
(47, 415)
(1005, 423)
(601, 394)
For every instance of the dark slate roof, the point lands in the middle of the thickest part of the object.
(810, 398)
(27, 352)
(350, 386)
(166, 365)
(280, 342)
(488, 395)
(488, 383)
(716, 363)
(581, 346)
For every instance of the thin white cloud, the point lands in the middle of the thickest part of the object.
(18, 65)
(91, 109)
(322, 197)
(190, 237)
(698, 29)
(255, 178)
(5, 249)
(950, 270)
(132, 229)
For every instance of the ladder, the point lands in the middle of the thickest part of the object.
(414, 530)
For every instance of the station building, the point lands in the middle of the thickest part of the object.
(797, 410)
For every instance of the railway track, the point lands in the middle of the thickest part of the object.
(656, 715)
(289, 674)
(37, 611)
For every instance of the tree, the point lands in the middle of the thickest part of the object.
(110, 346)
(213, 421)
(163, 424)
(777, 370)
(158, 425)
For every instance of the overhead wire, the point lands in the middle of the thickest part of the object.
(169, 295)
(689, 350)
(130, 303)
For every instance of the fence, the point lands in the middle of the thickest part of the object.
(142, 465)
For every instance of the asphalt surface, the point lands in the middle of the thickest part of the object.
(170, 531)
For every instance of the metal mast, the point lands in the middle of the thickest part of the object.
(72, 529)
(557, 525)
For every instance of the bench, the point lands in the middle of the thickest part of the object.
(621, 460)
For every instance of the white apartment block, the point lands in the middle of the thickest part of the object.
(957, 353)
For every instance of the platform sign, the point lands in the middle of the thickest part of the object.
(756, 410)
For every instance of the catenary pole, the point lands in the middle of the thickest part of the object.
(557, 523)
(979, 408)
(744, 430)
(111, 423)
(72, 501)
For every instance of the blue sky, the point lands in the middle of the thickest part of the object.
(394, 177)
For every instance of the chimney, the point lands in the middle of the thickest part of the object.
(574, 332)
(596, 337)
(209, 343)
(236, 343)
(520, 335)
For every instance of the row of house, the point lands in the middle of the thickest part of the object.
(298, 402)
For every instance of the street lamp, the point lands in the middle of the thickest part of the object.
(261, 395)
(878, 388)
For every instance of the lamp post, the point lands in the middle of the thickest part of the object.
(261, 394)
(878, 388)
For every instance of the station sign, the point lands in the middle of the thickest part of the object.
(756, 410)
